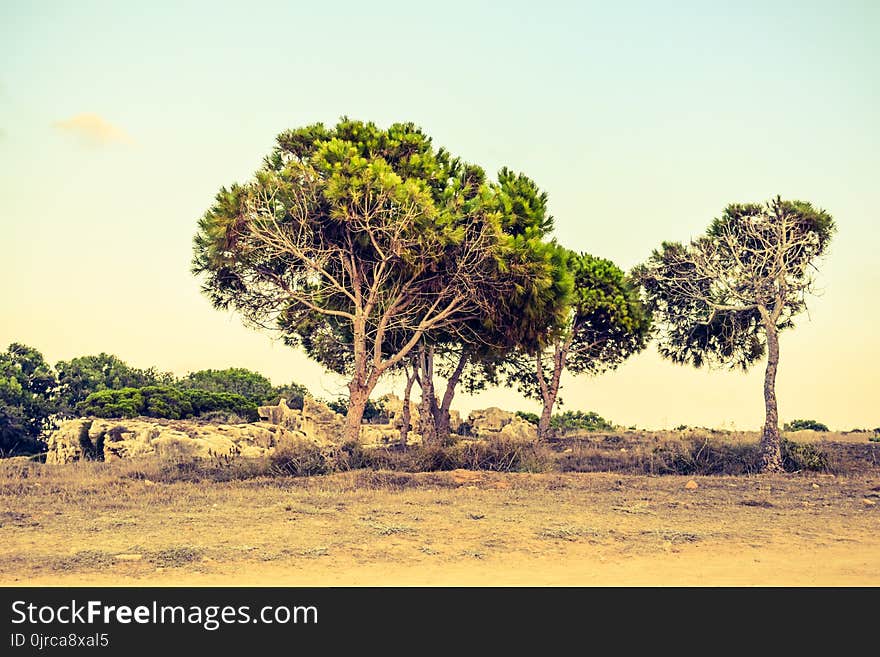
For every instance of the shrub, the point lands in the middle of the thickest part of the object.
(502, 455)
(801, 456)
(125, 402)
(165, 402)
(528, 417)
(578, 420)
(801, 425)
(234, 381)
(299, 458)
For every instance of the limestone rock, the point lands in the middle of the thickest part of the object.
(281, 414)
(519, 429)
(75, 440)
(320, 423)
(488, 422)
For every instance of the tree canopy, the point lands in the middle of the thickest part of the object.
(26, 404)
(81, 376)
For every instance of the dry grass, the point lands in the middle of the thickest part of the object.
(114, 523)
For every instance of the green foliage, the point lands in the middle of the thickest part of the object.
(80, 377)
(233, 380)
(528, 417)
(127, 402)
(801, 425)
(609, 322)
(803, 456)
(604, 323)
(165, 402)
(26, 403)
(293, 393)
(707, 296)
(580, 421)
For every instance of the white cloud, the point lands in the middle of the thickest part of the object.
(93, 129)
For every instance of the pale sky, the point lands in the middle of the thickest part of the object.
(642, 120)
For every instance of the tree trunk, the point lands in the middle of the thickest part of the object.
(406, 416)
(441, 421)
(357, 402)
(771, 446)
(550, 389)
(428, 404)
(544, 431)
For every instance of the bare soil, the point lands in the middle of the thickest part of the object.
(94, 524)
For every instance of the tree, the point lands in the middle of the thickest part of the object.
(471, 347)
(537, 300)
(235, 380)
(802, 425)
(724, 297)
(26, 404)
(344, 224)
(80, 377)
(605, 324)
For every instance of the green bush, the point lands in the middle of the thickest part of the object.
(578, 420)
(801, 425)
(528, 417)
(165, 402)
(802, 456)
(125, 402)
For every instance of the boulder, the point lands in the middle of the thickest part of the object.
(487, 422)
(519, 429)
(281, 415)
(320, 423)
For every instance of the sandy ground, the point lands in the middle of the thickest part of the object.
(461, 528)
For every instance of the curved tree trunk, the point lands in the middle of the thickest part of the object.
(771, 446)
(550, 389)
(441, 420)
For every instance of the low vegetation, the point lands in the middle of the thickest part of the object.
(623, 453)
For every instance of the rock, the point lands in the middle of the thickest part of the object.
(519, 429)
(281, 415)
(691, 485)
(488, 421)
(869, 502)
(75, 440)
(455, 420)
(321, 423)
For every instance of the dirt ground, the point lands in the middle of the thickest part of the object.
(86, 524)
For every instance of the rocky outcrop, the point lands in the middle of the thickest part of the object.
(107, 440)
(316, 420)
(494, 423)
